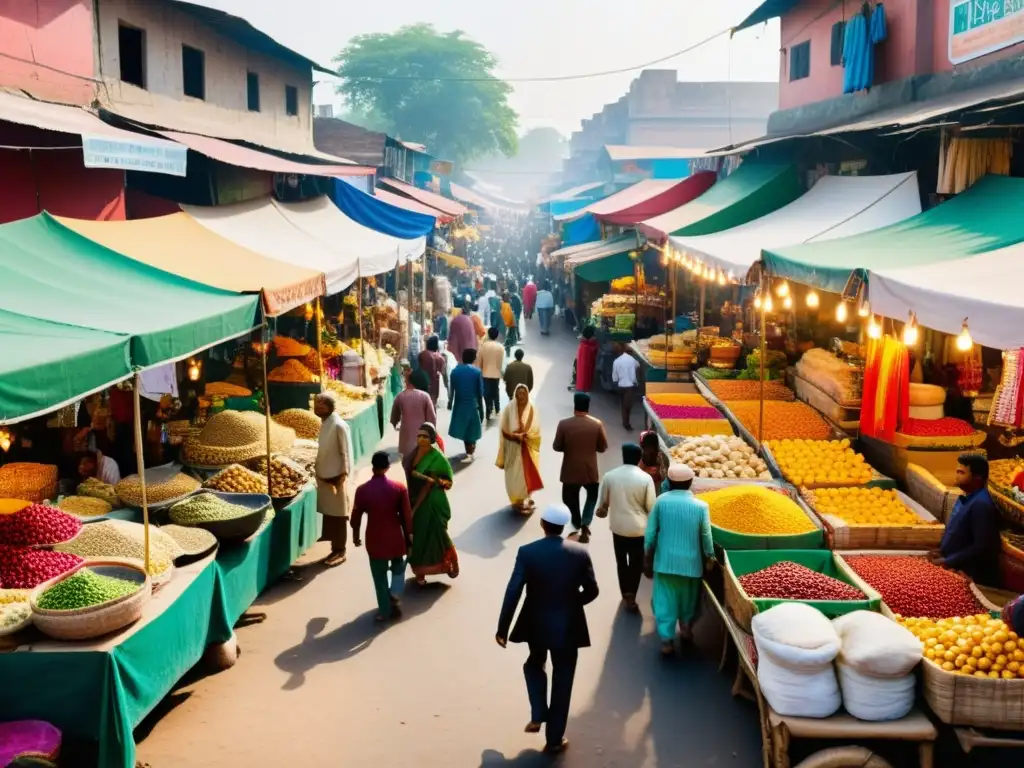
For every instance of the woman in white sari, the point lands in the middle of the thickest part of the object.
(519, 450)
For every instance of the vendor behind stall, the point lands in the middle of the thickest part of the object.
(971, 540)
(95, 464)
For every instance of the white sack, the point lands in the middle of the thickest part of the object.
(798, 693)
(875, 698)
(876, 645)
(795, 636)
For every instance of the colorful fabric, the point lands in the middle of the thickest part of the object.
(433, 552)
(885, 402)
(388, 516)
(412, 409)
(462, 335)
(520, 460)
(586, 361)
(467, 391)
(679, 534)
(674, 601)
(529, 297)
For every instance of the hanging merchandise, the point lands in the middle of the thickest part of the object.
(967, 160)
(886, 400)
(1006, 404)
(863, 32)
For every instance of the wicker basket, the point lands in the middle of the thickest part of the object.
(97, 620)
(983, 702)
(926, 490)
(1011, 564)
(841, 535)
(1013, 510)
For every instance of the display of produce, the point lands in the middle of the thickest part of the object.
(38, 525)
(305, 423)
(123, 539)
(10, 506)
(819, 462)
(26, 568)
(755, 509)
(837, 378)
(84, 506)
(671, 353)
(225, 389)
(287, 477)
(129, 490)
(8, 596)
(947, 426)
(191, 540)
(792, 581)
(865, 506)
(1006, 404)
(14, 614)
(285, 346)
(350, 391)
(97, 489)
(975, 644)
(237, 479)
(782, 420)
(683, 411)
(729, 390)
(720, 458)
(292, 371)
(912, 586)
(303, 453)
(232, 437)
(28, 482)
(84, 589)
(716, 373)
(774, 368)
(206, 508)
(312, 361)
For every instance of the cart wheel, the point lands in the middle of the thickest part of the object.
(844, 757)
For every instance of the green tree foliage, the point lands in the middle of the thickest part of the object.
(435, 88)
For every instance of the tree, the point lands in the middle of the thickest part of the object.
(431, 87)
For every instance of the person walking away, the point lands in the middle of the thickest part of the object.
(517, 372)
(461, 336)
(517, 303)
(332, 468)
(519, 450)
(626, 497)
(677, 543)
(529, 298)
(441, 326)
(558, 578)
(467, 399)
(411, 408)
(625, 372)
(511, 323)
(492, 359)
(653, 460)
(429, 477)
(545, 308)
(435, 366)
(586, 360)
(385, 504)
(495, 307)
(971, 542)
(483, 306)
(579, 439)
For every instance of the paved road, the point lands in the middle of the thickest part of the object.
(320, 684)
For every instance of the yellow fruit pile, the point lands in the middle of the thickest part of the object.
(817, 462)
(864, 506)
(754, 509)
(979, 646)
(781, 420)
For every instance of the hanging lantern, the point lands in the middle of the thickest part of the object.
(783, 290)
(964, 342)
(194, 369)
(757, 301)
(768, 307)
(910, 333)
(874, 329)
(787, 302)
(5, 439)
(308, 312)
(812, 299)
(841, 312)
(721, 277)
(864, 309)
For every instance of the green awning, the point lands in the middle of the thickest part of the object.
(603, 260)
(52, 273)
(983, 218)
(45, 365)
(751, 191)
(606, 268)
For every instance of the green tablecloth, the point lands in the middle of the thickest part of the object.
(100, 691)
(366, 432)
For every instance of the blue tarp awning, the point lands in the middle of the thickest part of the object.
(769, 9)
(379, 215)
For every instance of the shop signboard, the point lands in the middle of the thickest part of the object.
(979, 27)
(143, 154)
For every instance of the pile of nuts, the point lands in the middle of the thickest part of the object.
(787, 580)
(14, 608)
(287, 478)
(97, 489)
(304, 422)
(84, 506)
(26, 568)
(206, 508)
(129, 490)
(84, 589)
(123, 539)
(38, 525)
(237, 479)
(912, 586)
(192, 540)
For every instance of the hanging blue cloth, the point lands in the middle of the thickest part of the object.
(378, 215)
(856, 55)
(877, 32)
(583, 230)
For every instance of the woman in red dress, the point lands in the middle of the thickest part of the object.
(586, 360)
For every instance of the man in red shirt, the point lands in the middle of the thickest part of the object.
(388, 533)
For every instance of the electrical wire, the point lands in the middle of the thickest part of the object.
(549, 79)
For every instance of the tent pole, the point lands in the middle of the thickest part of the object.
(408, 309)
(359, 322)
(423, 297)
(763, 348)
(140, 465)
(265, 335)
(320, 339)
(703, 296)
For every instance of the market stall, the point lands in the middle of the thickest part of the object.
(644, 200)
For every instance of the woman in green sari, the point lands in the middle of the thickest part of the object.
(429, 476)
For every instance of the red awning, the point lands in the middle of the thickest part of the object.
(234, 154)
(648, 198)
(441, 203)
(409, 204)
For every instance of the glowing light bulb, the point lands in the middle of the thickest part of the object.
(783, 290)
(841, 312)
(768, 307)
(787, 302)
(864, 309)
(812, 300)
(910, 333)
(874, 329)
(757, 301)
(721, 278)
(964, 342)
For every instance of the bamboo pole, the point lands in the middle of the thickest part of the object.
(408, 309)
(763, 350)
(265, 336)
(703, 297)
(320, 339)
(140, 466)
(359, 322)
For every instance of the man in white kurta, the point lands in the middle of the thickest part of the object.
(333, 466)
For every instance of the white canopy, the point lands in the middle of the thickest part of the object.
(836, 206)
(980, 288)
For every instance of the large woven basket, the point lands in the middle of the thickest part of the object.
(1011, 563)
(96, 620)
(841, 535)
(983, 702)
(924, 488)
(1013, 510)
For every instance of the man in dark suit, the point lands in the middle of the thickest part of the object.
(559, 580)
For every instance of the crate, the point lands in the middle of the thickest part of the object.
(732, 540)
(842, 535)
(926, 490)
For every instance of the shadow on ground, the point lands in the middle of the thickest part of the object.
(487, 535)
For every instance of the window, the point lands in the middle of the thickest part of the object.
(252, 82)
(838, 36)
(800, 61)
(291, 100)
(131, 52)
(193, 72)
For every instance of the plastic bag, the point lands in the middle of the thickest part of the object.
(875, 698)
(875, 645)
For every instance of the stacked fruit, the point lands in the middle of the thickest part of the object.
(25, 568)
(237, 479)
(912, 586)
(719, 457)
(787, 580)
(817, 462)
(864, 506)
(973, 645)
(38, 525)
(754, 509)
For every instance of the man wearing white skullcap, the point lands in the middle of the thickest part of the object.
(558, 577)
(677, 544)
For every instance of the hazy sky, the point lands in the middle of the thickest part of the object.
(540, 38)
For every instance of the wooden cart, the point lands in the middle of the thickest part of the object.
(778, 731)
